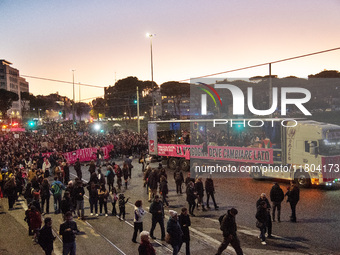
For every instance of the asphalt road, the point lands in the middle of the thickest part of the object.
(315, 232)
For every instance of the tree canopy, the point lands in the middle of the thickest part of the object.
(6, 101)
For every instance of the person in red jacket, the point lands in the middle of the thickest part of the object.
(35, 221)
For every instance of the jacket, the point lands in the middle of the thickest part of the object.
(228, 225)
(261, 214)
(185, 223)
(175, 231)
(139, 214)
(293, 195)
(68, 236)
(209, 186)
(276, 194)
(46, 238)
(155, 207)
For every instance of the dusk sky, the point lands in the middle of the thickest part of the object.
(193, 38)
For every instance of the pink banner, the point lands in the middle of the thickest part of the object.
(240, 154)
(84, 155)
(18, 130)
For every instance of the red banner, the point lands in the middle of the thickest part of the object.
(242, 154)
(86, 154)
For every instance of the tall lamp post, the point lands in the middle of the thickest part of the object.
(74, 99)
(152, 88)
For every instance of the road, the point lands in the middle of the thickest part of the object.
(315, 233)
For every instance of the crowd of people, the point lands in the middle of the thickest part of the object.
(26, 171)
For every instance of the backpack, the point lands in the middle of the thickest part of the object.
(56, 190)
(220, 219)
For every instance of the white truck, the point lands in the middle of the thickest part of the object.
(304, 150)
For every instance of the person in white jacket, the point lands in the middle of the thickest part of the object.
(46, 167)
(138, 219)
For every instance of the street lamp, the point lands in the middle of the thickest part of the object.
(153, 100)
(74, 99)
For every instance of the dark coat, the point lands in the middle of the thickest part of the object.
(178, 176)
(163, 187)
(228, 225)
(293, 195)
(209, 186)
(185, 220)
(155, 207)
(260, 200)
(261, 214)
(79, 193)
(46, 238)
(152, 180)
(44, 191)
(66, 205)
(199, 188)
(146, 248)
(191, 196)
(276, 194)
(175, 231)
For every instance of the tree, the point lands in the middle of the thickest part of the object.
(81, 109)
(99, 106)
(176, 90)
(121, 97)
(25, 99)
(6, 101)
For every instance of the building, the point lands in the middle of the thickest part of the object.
(11, 81)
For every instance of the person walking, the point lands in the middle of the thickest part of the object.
(174, 230)
(121, 203)
(77, 168)
(68, 231)
(125, 174)
(293, 195)
(210, 190)
(145, 247)
(179, 179)
(93, 198)
(229, 228)
(46, 237)
(268, 224)
(110, 176)
(163, 189)
(35, 222)
(191, 197)
(45, 196)
(79, 193)
(102, 198)
(262, 220)
(185, 223)
(157, 211)
(66, 204)
(200, 193)
(276, 196)
(113, 199)
(56, 189)
(138, 220)
(153, 184)
(66, 172)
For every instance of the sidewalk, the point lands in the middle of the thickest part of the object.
(14, 232)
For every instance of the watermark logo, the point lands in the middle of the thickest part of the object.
(238, 99)
(204, 97)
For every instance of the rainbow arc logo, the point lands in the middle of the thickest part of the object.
(209, 93)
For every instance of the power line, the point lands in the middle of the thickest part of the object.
(69, 82)
(273, 62)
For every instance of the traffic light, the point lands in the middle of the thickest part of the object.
(31, 123)
(60, 112)
(135, 101)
